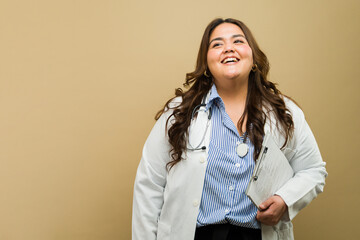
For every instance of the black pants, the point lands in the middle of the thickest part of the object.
(227, 232)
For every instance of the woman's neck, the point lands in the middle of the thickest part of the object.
(232, 93)
(234, 98)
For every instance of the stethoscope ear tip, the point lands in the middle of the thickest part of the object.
(210, 113)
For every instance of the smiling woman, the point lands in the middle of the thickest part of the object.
(230, 61)
(229, 56)
(200, 155)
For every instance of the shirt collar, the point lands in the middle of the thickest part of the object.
(212, 97)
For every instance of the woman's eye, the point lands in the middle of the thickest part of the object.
(216, 45)
(238, 41)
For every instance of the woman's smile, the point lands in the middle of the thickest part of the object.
(229, 55)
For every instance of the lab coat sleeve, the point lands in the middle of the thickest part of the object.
(150, 183)
(309, 169)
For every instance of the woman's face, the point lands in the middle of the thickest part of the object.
(229, 55)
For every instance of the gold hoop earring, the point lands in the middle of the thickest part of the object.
(254, 67)
(206, 74)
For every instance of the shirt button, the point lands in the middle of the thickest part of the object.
(237, 165)
(196, 203)
(202, 159)
(231, 188)
(226, 210)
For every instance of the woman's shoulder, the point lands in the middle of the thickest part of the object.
(291, 105)
(169, 108)
(174, 103)
(294, 109)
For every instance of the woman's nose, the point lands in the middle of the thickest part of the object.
(228, 48)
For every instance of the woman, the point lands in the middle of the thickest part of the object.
(199, 157)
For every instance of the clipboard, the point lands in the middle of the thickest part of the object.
(272, 170)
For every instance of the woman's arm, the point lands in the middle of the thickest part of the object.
(150, 183)
(309, 174)
(309, 168)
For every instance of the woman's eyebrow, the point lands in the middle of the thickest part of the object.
(221, 38)
(238, 35)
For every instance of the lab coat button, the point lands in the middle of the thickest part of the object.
(196, 203)
(202, 159)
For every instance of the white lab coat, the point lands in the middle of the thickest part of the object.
(166, 203)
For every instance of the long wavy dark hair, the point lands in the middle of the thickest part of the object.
(262, 97)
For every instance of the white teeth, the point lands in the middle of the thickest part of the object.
(230, 60)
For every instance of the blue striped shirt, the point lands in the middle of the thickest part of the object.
(227, 174)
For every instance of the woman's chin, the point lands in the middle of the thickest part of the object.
(234, 76)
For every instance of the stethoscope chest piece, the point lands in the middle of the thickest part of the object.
(242, 149)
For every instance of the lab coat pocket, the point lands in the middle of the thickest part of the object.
(284, 231)
(163, 231)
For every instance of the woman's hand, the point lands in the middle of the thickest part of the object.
(271, 211)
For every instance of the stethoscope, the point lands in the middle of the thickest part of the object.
(197, 109)
(242, 149)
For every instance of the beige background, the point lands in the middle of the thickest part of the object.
(81, 80)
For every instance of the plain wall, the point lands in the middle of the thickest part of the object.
(81, 81)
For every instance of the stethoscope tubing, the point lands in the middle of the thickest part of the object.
(196, 110)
